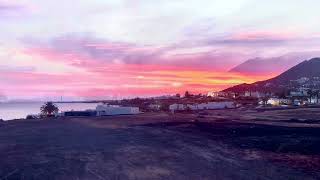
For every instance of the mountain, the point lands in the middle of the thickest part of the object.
(308, 71)
(273, 65)
(3, 97)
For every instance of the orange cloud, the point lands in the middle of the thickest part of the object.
(95, 78)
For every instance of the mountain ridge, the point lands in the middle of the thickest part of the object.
(306, 69)
(275, 65)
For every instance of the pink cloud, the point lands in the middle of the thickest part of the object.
(121, 69)
(125, 80)
(85, 50)
(254, 39)
(264, 35)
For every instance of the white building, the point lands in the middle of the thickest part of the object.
(278, 102)
(107, 110)
(177, 107)
(299, 93)
(156, 107)
(216, 105)
(302, 80)
(216, 94)
(202, 106)
(255, 94)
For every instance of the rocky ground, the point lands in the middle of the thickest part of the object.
(222, 145)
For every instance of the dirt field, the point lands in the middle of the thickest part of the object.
(226, 144)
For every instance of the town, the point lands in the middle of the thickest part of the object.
(301, 95)
(298, 87)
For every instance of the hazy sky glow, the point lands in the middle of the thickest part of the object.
(120, 48)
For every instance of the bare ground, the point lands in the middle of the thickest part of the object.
(226, 144)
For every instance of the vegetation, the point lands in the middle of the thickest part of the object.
(164, 107)
(310, 93)
(187, 94)
(317, 95)
(49, 108)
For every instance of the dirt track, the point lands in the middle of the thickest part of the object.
(156, 146)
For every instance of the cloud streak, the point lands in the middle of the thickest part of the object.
(105, 48)
(111, 79)
(91, 50)
(102, 67)
(9, 9)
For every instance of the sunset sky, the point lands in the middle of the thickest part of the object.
(91, 49)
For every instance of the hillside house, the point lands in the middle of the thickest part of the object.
(254, 94)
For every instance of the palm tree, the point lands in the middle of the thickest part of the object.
(49, 108)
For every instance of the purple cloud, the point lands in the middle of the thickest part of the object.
(12, 10)
(103, 50)
(17, 69)
(100, 49)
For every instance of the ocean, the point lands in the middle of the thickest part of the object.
(19, 110)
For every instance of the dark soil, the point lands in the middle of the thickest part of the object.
(166, 149)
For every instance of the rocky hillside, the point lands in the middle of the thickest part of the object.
(306, 73)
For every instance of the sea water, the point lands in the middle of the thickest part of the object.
(19, 110)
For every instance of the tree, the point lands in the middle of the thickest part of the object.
(282, 94)
(187, 94)
(164, 107)
(317, 95)
(49, 108)
(310, 93)
(178, 95)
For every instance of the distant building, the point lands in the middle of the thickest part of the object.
(154, 107)
(254, 94)
(177, 107)
(80, 113)
(107, 110)
(285, 101)
(296, 93)
(302, 80)
(216, 105)
(166, 97)
(279, 101)
(274, 101)
(216, 94)
(299, 93)
(202, 106)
